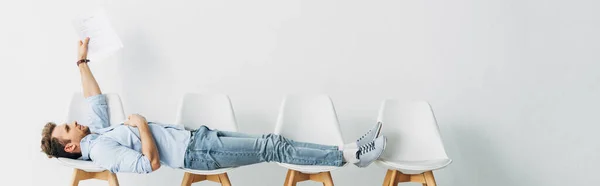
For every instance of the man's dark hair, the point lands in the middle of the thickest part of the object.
(53, 147)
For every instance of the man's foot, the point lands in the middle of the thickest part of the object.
(370, 135)
(369, 152)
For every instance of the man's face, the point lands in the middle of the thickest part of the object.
(73, 132)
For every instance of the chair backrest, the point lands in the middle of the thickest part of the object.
(309, 119)
(79, 109)
(215, 111)
(411, 130)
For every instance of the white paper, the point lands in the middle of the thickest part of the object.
(104, 41)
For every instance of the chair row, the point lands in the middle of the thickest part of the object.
(414, 147)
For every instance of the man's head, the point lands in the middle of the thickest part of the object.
(63, 140)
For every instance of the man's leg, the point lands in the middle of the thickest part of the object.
(292, 142)
(232, 151)
(211, 151)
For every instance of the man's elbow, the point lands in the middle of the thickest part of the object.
(155, 165)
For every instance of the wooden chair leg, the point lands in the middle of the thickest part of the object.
(224, 179)
(112, 179)
(429, 179)
(390, 178)
(79, 175)
(294, 177)
(393, 177)
(328, 181)
(189, 178)
(323, 177)
(290, 178)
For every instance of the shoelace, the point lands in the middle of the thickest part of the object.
(365, 149)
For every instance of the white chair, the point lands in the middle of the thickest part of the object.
(309, 119)
(414, 147)
(215, 112)
(78, 111)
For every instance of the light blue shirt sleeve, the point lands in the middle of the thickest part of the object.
(116, 158)
(98, 113)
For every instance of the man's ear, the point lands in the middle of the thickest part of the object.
(70, 147)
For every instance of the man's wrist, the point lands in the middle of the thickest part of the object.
(141, 124)
(82, 61)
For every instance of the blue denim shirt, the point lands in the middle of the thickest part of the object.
(118, 148)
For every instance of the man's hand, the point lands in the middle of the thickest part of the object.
(83, 48)
(135, 120)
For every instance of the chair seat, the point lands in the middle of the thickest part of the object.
(87, 166)
(208, 172)
(310, 169)
(414, 167)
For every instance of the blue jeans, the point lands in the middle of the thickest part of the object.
(213, 149)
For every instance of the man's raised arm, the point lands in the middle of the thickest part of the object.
(89, 84)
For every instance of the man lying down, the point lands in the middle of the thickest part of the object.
(140, 146)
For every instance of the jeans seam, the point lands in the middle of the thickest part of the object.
(325, 162)
(294, 159)
(233, 153)
(253, 153)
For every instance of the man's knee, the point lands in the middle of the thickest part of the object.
(276, 146)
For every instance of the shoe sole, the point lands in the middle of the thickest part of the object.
(379, 129)
(384, 144)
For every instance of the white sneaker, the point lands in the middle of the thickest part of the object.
(369, 152)
(370, 135)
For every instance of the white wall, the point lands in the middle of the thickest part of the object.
(514, 84)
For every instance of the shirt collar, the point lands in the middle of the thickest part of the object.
(104, 130)
(86, 144)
